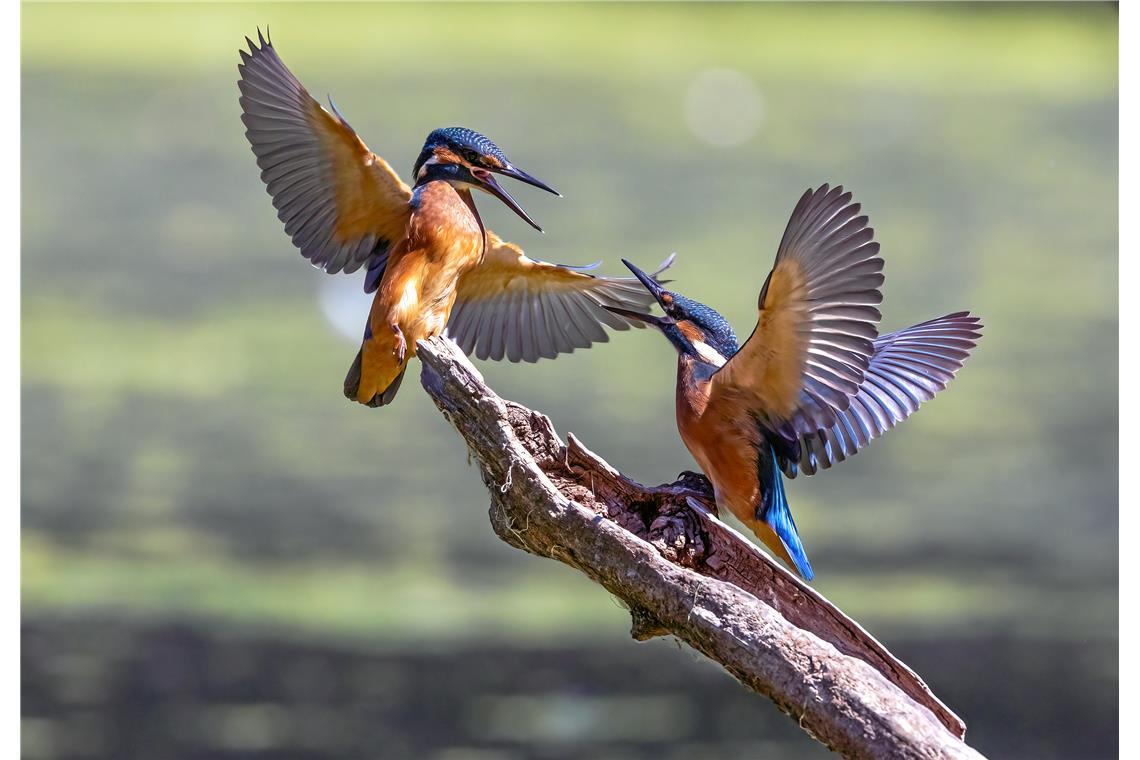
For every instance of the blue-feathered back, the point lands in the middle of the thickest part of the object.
(776, 512)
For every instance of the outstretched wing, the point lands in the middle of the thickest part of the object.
(342, 205)
(516, 307)
(814, 336)
(908, 367)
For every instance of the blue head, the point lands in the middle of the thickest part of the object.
(695, 330)
(467, 160)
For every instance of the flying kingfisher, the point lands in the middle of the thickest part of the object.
(815, 382)
(427, 255)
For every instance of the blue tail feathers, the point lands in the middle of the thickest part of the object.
(779, 516)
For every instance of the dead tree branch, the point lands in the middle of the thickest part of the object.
(682, 572)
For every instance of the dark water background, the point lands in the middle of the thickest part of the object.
(101, 688)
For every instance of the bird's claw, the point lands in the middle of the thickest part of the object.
(401, 349)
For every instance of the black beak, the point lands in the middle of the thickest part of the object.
(650, 284)
(522, 176)
(487, 182)
(649, 319)
(655, 289)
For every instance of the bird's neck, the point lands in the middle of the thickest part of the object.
(443, 192)
(465, 196)
(693, 370)
(693, 388)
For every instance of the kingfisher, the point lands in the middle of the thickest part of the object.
(815, 382)
(427, 256)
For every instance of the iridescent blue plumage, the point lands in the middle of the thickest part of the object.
(714, 329)
(718, 332)
(468, 138)
(774, 510)
(459, 139)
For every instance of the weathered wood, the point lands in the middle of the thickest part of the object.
(681, 571)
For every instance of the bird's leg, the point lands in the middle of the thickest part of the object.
(401, 348)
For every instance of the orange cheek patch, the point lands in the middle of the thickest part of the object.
(446, 155)
(691, 332)
(697, 338)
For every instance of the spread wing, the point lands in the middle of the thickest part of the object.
(342, 205)
(814, 337)
(908, 367)
(516, 307)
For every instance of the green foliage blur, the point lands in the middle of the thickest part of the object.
(187, 453)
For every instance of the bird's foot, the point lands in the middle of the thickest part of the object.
(401, 349)
(696, 481)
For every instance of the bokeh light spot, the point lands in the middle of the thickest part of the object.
(723, 107)
(345, 305)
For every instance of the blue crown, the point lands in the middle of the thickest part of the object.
(458, 139)
(462, 137)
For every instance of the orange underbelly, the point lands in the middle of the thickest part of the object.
(419, 297)
(728, 458)
(727, 455)
(724, 443)
(415, 299)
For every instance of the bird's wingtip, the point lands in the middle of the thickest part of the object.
(668, 262)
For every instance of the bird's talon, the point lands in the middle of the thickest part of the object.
(401, 349)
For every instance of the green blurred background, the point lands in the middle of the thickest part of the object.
(222, 557)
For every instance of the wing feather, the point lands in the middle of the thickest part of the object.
(342, 205)
(817, 323)
(515, 307)
(907, 368)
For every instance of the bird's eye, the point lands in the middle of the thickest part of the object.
(471, 155)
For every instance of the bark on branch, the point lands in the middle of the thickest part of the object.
(682, 572)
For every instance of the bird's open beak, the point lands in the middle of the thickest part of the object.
(650, 284)
(654, 288)
(487, 182)
(649, 319)
(522, 176)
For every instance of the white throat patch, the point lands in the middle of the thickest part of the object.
(708, 354)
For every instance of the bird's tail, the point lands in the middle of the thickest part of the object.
(375, 375)
(775, 513)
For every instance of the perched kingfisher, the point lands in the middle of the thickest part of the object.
(815, 382)
(427, 255)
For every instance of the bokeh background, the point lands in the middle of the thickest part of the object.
(224, 558)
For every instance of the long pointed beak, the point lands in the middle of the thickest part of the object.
(649, 319)
(521, 176)
(487, 182)
(650, 284)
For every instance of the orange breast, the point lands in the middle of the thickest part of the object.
(723, 439)
(444, 242)
(721, 435)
